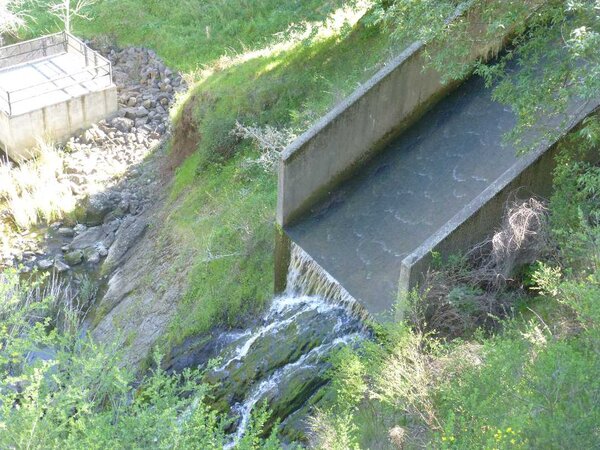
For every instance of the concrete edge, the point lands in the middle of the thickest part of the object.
(407, 278)
(330, 117)
(328, 123)
(410, 51)
(112, 86)
(282, 259)
(355, 166)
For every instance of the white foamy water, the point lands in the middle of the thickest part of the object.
(309, 289)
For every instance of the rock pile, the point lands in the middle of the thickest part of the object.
(146, 90)
(104, 169)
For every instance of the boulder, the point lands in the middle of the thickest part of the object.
(44, 264)
(60, 266)
(97, 207)
(131, 230)
(92, 256)
(122, 124)
(74, 258)
(88, 238)
(141, 112)
(66, 232)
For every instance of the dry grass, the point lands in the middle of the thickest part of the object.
(451, 307)
(33, 191)
(456, 300)
(269, 140)
(523, 238)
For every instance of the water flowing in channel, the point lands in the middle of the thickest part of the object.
(283, 360)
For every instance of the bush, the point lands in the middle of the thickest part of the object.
(524, 382)
(58, 390)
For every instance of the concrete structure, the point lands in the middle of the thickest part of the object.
(440, 185)
(50, 88)
(367, 120)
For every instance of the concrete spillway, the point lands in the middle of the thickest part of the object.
(406, 166)
(364, 229)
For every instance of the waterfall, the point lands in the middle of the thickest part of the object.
(315, 314)
(306, 277)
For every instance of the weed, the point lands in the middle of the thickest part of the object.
(35, 190)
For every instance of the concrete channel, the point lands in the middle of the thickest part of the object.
(405, 167)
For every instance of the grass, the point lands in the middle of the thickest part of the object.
(224, 209)
(32, 192)
(189, 33)
(225, 220)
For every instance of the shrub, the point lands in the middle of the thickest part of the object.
(33, 190)
(524, 382)
(270, 141)
(60, 390)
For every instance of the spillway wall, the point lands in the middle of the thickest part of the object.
(398, 95)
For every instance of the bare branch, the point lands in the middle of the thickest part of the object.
(12, 16)
(68, 10)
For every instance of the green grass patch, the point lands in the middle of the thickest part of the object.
(191, 33)
(221, 212)
(225, 223)
(224, 209)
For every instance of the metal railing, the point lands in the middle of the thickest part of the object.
(23, 52)
(95, 68)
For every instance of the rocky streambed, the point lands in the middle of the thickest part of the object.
(106, 174)
(282, 360)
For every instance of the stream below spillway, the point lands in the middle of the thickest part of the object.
(283, 359)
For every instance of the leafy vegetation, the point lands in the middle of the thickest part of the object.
(529, 383)
(525, 379)
(62, 391)
(223, 207)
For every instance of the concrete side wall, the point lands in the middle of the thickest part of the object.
(283, 255)
(55, 123)
(356, 129)
(348, 135)
(4, 128)
(531, 175)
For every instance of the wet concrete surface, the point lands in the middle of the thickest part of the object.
(361, 233)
